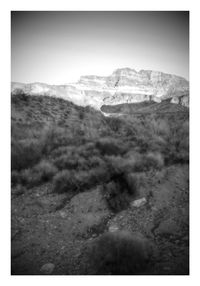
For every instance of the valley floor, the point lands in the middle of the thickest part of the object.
(49, 228)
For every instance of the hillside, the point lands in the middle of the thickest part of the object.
(145, 107)
(80, 180)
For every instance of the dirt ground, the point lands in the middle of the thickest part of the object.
(51, 228)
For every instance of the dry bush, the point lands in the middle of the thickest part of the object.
(66, 161)
(120, 253)
(53, 137)
(114, 123)
(119, 191)
(18, 190)
(15, 178)
(110, 146)
(25, 153)
(41, 173)
(177, 147)
(66, 181)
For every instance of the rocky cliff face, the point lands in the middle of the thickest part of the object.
(122, 86)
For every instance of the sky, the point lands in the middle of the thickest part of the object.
(58, 47)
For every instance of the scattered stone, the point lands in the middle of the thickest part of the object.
(47, 268)
(138, 203)
(113, 228)
(63, 214)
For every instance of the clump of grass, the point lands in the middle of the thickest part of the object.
(120, 253)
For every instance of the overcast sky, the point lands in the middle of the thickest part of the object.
(59, 47)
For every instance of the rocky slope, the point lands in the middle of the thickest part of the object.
(122, 86)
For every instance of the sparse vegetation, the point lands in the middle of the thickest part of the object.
(79, 148)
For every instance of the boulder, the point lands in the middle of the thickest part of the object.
(138, 203)
(47, 268)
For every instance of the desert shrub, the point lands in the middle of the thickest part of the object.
(18, 190)
(19, 95)
(145, 162)
(95, 161)
(62, 150)
(45, 169)
(40, 173)
(66, 181)
(119, 191)
(15, 178)
(114, 123)
(54, 137)
(25, 153)
(120, 253)
(119, 164)
(66, 162)
(177, 147)
(152, 161)
(134, 162)
(94, 176)
(159, 127)
(87, 150)
(110, 146)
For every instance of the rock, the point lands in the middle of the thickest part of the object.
(122, 86)
(138, 203)
(113, 228)
(47, 268)
(63, 214)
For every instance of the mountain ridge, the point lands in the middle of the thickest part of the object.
(124, 85)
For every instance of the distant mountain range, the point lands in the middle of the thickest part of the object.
(122, 86)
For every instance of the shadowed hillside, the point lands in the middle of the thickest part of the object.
(146, 107)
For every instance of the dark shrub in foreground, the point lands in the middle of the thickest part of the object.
(120, 253)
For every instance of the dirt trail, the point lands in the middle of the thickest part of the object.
(47, 228)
